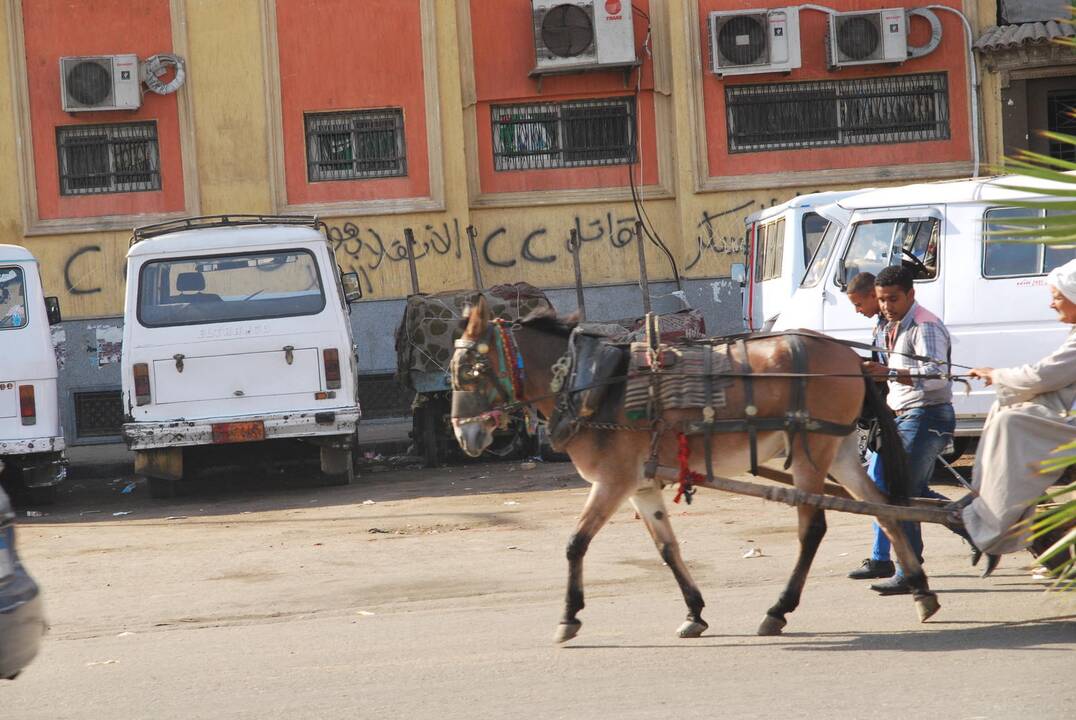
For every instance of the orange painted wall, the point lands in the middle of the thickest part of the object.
(503, 35)
(950, 57)
(334, 56)
(57, 28)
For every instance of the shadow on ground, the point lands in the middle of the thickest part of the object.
(228, 492)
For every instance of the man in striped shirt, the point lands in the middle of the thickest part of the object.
(920, 393)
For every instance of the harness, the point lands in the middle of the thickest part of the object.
(496, 358)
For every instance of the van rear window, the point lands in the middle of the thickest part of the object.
(229, 288)
(1002, 257)
(12, 299)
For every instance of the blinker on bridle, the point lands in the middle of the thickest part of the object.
(497, 360)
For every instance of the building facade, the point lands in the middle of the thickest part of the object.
(455, 119)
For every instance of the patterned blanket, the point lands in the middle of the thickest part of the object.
(432, 323)
(678, 373)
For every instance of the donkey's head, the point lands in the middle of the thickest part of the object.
(477, 392)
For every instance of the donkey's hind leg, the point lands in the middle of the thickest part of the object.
(849, 472)
(810, 477)
(603, 501)
(651, 507)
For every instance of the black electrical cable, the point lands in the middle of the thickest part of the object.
(640, 210)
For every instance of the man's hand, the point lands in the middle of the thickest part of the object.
(876, 370)
(986, 374)
(880, 373)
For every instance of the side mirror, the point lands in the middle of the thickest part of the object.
(52, 310)
(352, 286)
(738, 272)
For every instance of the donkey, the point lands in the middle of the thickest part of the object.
(496, 364)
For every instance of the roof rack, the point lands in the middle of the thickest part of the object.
(213, 221)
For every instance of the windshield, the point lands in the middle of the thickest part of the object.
(817, 265)
(12, 299)
(876, 244)
(229, 288)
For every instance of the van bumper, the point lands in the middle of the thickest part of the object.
(322, 423)
(32, 446)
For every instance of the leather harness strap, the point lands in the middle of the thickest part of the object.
(749, 407)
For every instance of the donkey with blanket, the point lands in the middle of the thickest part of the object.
(800, 395)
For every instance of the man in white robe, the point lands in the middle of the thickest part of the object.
(1033, 415)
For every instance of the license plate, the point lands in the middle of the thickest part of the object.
(238, 432)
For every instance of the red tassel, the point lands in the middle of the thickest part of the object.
(688, 477)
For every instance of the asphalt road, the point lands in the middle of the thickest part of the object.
(439, 599)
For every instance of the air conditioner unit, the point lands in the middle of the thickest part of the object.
(100, 82)
(754, 41)
(582, 35)
(867, 38)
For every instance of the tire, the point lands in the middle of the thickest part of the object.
(43, 495)
(960, 446)
(431, 446)
(340, 464)
(161, 488)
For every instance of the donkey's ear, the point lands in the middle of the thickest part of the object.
(478, 321)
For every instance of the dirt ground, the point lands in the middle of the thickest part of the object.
(435, 594)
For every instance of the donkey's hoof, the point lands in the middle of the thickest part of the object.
(927, 604)
(692, 628)
(771, 626)
(566, 631)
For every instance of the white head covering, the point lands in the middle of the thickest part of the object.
(1064, 279)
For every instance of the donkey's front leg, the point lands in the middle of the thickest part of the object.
(603, 501)
(812, 528)
(651, 507)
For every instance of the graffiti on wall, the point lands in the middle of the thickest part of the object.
(368, 250)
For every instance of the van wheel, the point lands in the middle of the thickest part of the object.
(960, 446)
(161, 488)
(337, 466)
(44, 495)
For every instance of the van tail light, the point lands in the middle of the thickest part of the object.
(27, 405)
(141, 379)
(332, 367)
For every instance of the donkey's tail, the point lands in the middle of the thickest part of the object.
(894, 459)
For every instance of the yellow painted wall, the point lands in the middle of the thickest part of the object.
(226, 80)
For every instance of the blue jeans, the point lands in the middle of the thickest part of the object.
(925, 432)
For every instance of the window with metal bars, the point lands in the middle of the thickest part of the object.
(116, 158)
(862, 111)
(355, 145)
(1061, 107)
(576, 133)
(98, 413)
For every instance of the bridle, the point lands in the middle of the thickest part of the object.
(496, 359)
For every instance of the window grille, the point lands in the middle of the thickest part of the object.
(116, 158)
(863, 111)
(383, 397)
(1060, 109)
(355, 145)
(98, 413)
(567, 134)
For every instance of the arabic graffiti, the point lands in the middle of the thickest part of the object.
(720, 233)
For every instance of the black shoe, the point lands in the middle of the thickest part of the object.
(991, 564)
(873, 569)
(895, 585)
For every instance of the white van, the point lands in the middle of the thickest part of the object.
(991, 295)
(236, 330)
(31, 439)
(780, 241)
